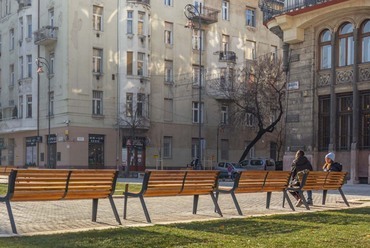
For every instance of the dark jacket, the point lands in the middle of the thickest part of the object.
(300, 164)
(335, 167)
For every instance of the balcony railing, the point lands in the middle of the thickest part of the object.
(139, 1)
(272, 8)
(207, 15)
(46, 35)
(227, 56)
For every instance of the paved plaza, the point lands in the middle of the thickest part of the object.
(49, 217)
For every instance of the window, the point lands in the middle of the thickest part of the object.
(196, 112)
(250, 16)
(168, 2)
(97, 18)
(51, 110)
(325, 49)
(140, 64)
(129, 22)
(224, 114)
(365, 37)
(167, 147)
(224, 149)
(195, 148)
(0, 44)
(140, 23)
(346, 45)
(29, 106)
(129, 64)
(97, 60)
(197, 39)
(11, 39)
(196, 75)
(250, 51)
(97, 102)
(29, 66)
(168, 70)
(21, 28)
(29, 26)
(249, 120)
(225, 43)
(168, 29)
(140, 104)
(365, 121)
(344, 122)
(20, 107)
(21, 68)
(51, 17)
(324, 123)
(225, 10)
(274, 53)
(129, 109)
(11, 75)
(168, 109)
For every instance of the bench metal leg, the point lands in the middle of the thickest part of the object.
(268, 199)
(217, 207)
(324, 194)
(236, 203)
(11, 217)
(115, 212)
(217, 193)
(195, 204)
(94, 209)
(301, 196)
(344, 197)
(285, 193)
(145, 209)
(125, 206)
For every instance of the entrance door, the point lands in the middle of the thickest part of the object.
(96, 151)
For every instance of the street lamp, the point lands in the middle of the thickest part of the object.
(191, 12)
(40, 62)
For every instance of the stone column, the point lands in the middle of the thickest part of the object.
(355, 111)
(333, 107)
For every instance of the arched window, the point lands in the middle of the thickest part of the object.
(325, 49)
(346, 46)
(365, 37)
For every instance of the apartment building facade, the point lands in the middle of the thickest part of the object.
(329, 78)
(116, 83)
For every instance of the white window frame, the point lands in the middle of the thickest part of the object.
(141, 64)
(11, 39)
(29, 26)
(130, 21)
(249, 120)
(167, 147)
(29, 106)
(168, 70)
(196, 75)
(168, 2)
(97, 60)
(129, 104)
(141, 23)
(198, 38)
(250, 17)
(250, 51)
(97, 102)
(21, 67)
(21, 28)
(11, 75)
(168, 33)
(20, 107)
(140, 104)
(225, 114)
(225, 10)
(98, 18)
(195, 111)
(29, 66)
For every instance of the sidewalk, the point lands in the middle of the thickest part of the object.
(35, 218)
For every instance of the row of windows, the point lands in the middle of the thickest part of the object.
(345, 53)
(344, 122)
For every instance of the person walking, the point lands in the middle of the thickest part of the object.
(330, 164)
(300, 163)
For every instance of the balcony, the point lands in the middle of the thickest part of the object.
(226, 56)
(272, 8)
(207, 15)
(45, 36)
(147, 2)
(23, 4)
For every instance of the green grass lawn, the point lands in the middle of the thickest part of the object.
(342, 228)
(120, 187)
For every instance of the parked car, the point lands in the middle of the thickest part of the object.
(222, 166)
(258, 164)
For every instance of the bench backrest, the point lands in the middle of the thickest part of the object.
(6, 169)
(57, 184)
(261, 181)
(179, 182)
(322, 180)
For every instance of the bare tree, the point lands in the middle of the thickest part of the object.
(256, 94)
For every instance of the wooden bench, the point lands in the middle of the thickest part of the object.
(57, 184)
(175, 183)
(258, 181)
(6, 169)
(320, 180)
